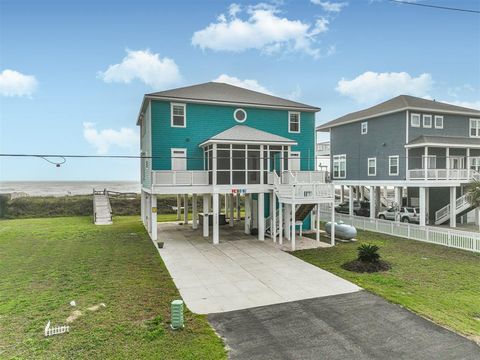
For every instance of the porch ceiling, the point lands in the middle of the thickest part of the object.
(443, 141)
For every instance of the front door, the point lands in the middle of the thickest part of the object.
(457, 162)
(179, 159)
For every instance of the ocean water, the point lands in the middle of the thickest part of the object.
(62, 188)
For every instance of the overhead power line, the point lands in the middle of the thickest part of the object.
(435, 6)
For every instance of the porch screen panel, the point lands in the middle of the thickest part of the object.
(223, 164)
(253, 161)
(238, 164)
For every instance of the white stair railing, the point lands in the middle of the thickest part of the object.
(443, 214)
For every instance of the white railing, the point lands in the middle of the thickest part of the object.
(180, 178)
(55, 330)
(461, 204)
(443, 174)
(464, 240)
(290, 186)
(303, 177)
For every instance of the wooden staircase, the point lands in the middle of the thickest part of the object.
(303, 210)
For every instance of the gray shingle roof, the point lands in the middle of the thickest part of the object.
(225, 93)
(399, 103)
(444, 140)
(243, 133)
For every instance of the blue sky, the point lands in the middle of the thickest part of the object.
(73, 73)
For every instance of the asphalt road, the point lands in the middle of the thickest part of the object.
(357, 326)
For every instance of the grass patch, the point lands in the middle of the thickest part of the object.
(46, 263)
(439, 283)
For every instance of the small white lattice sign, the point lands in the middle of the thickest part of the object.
(55, 330)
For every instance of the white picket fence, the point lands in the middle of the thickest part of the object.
(442, 236)
(49, 331)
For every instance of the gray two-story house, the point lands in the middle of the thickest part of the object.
(429, 148)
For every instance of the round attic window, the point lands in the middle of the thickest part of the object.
(240, 115)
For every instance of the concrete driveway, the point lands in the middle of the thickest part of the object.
(350, 326)
(241, 272)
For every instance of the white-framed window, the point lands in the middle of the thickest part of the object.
(364, 128)
(372, 166)
(293, 122)
(179, 159)
(393, 165)
(438, 122)
(295, 160)
(240, 115)
(340, 166)
(427, 121)
(474, 127)
(415, 120)
(178, 115)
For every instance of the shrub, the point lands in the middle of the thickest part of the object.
(368, 253)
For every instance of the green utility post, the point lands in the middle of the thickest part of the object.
(177, 314)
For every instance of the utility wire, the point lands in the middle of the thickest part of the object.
(435, 6)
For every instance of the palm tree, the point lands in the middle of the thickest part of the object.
(473, 196)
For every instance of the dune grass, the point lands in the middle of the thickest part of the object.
(437, 282)
(46, 263)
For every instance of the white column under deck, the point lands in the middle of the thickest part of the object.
(194, 212)
(422, 201)
(362, 193)
(372, 202)
(216, 237)
(273, 212)
(453, 208)
(332, 228)
(248, 213)
(185, 209)
(153, 217)
(357, 193)
(427, 206)
(350, 200)
(447, 161)
(317, 225)
(293, 227)
(261, 216)
(342, 193)
(280, 223)
(239, 215)
(232, 210)
(206, 224)
(287, 216)
(179, 207)
(142, 206)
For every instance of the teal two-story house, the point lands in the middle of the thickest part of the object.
(216, 139)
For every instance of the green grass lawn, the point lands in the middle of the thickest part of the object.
(439, 283)
(46, 263)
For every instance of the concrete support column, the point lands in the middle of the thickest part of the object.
(342, 193)
(261, 216)
(427, 206)
(248, 213)
(423, 206)
(194, 212)
(453, 207)
(153, 217)
(239, 214)
(317, 225)
(185, 209)
(378, 199)
(332, 231)
(372, 202)
(216, 211)
(273, 212)
(142, 206)
(288, 218)
(362, 193)
(350, 200)
(398, 195)
(293, 227)
(206, 217)
(179, 207)
(357, 193)
(280, 223)
(231, 210)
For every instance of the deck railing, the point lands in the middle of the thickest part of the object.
(443, 174)
(180, 178)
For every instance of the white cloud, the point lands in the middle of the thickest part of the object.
(371, 86)
(104, 139)
(250, 84)
(143, 65)
(14, 83)
(330, 6)
(467, 104)
(262, 29)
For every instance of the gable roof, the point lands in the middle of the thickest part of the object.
(397, 104)
(221, 93)
(428, 140)
(247, 134)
